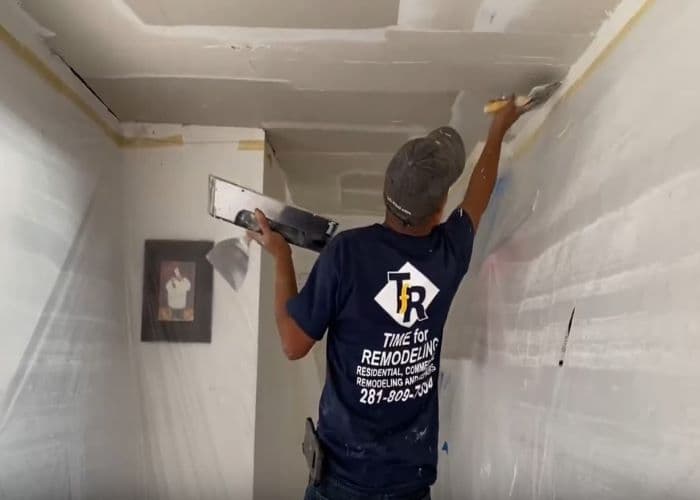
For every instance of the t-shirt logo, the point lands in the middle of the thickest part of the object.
(407, 295)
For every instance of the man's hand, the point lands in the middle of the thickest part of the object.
(506, 117)
(270, 240)
(483, 177)
(296, 343)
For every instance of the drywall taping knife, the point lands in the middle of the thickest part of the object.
(236, 204)
(537, 96)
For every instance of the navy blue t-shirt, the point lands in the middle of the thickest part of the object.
(383, 297)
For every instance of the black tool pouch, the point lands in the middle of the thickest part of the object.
(311, 448)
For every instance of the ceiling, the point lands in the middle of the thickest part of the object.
(337, 84)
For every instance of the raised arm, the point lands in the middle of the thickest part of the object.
(483, 178)
(296, 343)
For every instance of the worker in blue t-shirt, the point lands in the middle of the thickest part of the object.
(383, 293)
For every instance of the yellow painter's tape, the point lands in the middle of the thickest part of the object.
(150, 142)
(25, 54)
(44, 71)
(576, 85)
(251, 145)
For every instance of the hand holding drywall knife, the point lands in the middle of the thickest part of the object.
(506, 116)
(295, 341)
(270, 240)
(230, 257)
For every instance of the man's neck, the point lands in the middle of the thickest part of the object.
(395, 224)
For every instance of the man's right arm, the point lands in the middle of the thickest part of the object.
(296, 342)
(483, 178)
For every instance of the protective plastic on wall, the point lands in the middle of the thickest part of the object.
(573, 346)
(72, 426)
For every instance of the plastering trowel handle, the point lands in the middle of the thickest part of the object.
(499, 104)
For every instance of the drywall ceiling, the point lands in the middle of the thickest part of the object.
(338, 85)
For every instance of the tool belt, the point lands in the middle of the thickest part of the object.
(311, 447)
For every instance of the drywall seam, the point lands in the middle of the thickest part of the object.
(26, 55)
(118, 137)
(614, 30)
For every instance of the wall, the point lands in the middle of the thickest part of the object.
(51, 167)
(600, 215)
(286, 390)
(69, 404)
(199, 400)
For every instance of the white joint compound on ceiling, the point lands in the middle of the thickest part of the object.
(374, 73)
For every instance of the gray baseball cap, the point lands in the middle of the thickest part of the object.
(421, 172)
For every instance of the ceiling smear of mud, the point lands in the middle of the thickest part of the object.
(338, 85)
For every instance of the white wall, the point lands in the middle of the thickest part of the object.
(609, 196)
(69, 404)
(199, 399)
(288, 391)
(51, 158)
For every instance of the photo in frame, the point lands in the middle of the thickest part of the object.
(177, 291)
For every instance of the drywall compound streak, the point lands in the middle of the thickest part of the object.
(613, 234)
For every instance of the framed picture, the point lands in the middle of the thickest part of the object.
(177, 291)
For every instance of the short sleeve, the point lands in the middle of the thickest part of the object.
(316, 304)
(459, 232)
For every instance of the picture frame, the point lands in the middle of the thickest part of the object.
(177, 291)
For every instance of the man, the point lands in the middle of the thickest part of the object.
(383, 293)
(177, 288)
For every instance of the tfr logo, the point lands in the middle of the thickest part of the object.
(407, 295)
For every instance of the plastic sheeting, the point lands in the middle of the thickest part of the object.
(199, 400)
(86, 409)
(71, 426)
(70, 421)
(600, 216)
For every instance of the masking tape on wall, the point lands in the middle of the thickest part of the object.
(574, 86)
(150, 142)
(55, 82)
(44, 71)
(251, 145)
